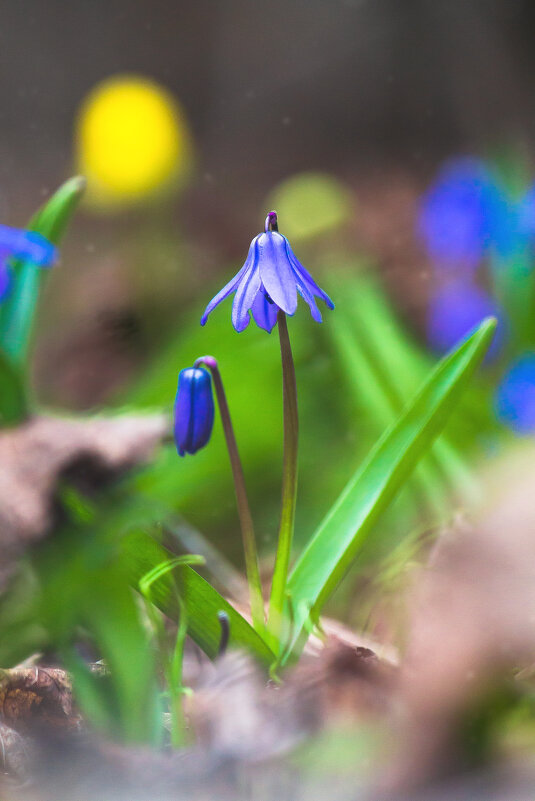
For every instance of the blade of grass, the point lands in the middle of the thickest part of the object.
(401, 367)
(112, 617)
(13, 402)
(405, 367)
(17, 312)
(364, 380)
(345, 529)
(171, 661)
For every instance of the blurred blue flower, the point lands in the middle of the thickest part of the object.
(194, 410)
(455, 309)
(20, 244)
(514, 227)
(460, 213)
(526, 209)
(514, 401)
(268, 281)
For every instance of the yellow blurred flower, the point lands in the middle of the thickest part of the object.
(132, 141)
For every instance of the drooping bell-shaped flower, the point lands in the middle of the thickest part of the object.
(269, 280)
(21, 244)
(455, 309)
(194, 410)
(514, 401)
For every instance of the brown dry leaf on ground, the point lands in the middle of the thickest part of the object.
(35, 455)
(36, 698)
(35, 705)
(243, 725)
(340, 684)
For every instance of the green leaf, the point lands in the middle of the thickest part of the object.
(345, 529)
(17, 312)
(108, 610)
(141, 554)
(13, 404)
(157, 572)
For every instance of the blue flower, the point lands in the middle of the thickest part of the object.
(460, 214)
(20, 244)
(268, 281)
(514, 401)
(194, 410)
(526, 213)
(455, 309)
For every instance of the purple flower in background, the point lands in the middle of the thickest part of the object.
(20, 244)
(194, 410)
(268, 281)
(526, 214)
(459, 214)
(455, 309)
(514, 401)
(514, 227)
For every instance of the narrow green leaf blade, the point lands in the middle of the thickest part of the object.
(146, 582)
(17, 312)
(13, 403)
(141, 553)
(346, 527)
(52, 219)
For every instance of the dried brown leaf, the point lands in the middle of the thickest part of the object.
(37, 454)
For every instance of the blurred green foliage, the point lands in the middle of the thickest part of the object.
(311, 204)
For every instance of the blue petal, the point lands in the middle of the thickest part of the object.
(232, 284)
(306, 278)
(246, 292)
(276, 271)
(245, 295)
(264, 312)
(27, 245)
(5, 279)
(308, 297)
(194, 410)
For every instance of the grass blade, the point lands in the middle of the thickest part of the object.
(13, 402)
(18, 310)
(350, 521)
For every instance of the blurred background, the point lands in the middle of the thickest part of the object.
(375, 93)
(396, 140)
(190, 122)
(344, 86)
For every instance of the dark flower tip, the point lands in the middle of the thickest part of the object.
(268, 282)
(206, 361)
(271, 223)
(194, 410)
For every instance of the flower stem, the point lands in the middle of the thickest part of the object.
(244, 512)
(289, 481)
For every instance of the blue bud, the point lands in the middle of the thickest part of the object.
(194, 410)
